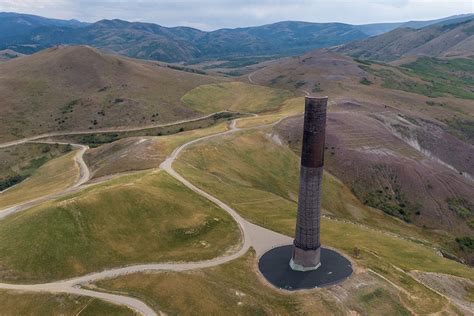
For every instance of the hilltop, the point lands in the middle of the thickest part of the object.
(80, 88)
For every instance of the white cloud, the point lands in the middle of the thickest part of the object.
(211, 14)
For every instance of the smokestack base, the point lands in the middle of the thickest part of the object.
(305, 260)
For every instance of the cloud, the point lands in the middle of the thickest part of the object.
(212, 14)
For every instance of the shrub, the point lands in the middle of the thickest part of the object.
(461, 206)
(299, 84)
(11, 181)
(366, 81)
(466, 243)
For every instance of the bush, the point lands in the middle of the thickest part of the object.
(466, 243)
(461, 206)
(192, 70)
(299, 84)
(11, 181)
(317, 88)
(365, 81)
(356, 253)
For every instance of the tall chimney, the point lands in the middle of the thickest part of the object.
(307, 245)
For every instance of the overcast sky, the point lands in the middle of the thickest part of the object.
(213, 14)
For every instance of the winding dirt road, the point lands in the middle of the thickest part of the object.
(259, 238)
(105, 130)
(84, 172)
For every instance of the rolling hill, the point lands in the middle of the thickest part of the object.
(80, 88)
(440, 40)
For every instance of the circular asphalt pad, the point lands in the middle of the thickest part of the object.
(274, 265)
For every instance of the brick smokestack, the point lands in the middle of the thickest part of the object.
(307, 245)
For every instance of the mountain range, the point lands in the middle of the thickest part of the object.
(27, 34)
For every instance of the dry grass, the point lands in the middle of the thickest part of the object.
(289, 107)
(234, 96)
(52, 177)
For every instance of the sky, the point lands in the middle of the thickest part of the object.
(213, 14)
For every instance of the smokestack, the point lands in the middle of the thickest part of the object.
(307, 246)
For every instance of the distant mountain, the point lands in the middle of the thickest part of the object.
(15, 24)
(16, 30)
(380, 28)
(439, 40)
(152, 41)
(282, 38)
(27, 34)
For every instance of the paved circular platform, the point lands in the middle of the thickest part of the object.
(274, 265)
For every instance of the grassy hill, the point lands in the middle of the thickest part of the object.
(133, 219)
(80, 88)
